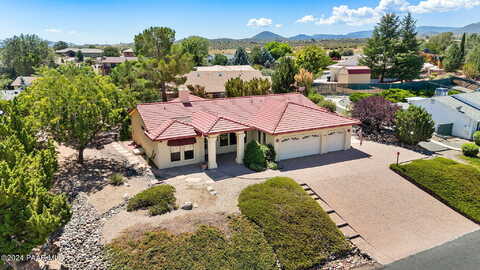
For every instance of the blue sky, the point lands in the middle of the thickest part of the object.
(110, 21)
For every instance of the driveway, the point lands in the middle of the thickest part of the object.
(393, 216)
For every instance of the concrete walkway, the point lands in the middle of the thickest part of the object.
(395, 218)
(460, 254)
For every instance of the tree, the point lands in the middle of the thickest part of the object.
(462, 47)
(261, 56)
(74, 105)
(304, 79)
(154, 42)
(312, 58)
(111, 51)
(335, 55)
(381, 49)
(240, 57)
(30, 213)
(439, 43)
(197, 47)
(127, 76)
(453, 58)
(283, 78)
(278, 49)
(60, 45)
(472, 63)
(375, 112)
(413, 125)
(197, 90)
(23, 53)
(236, 87)
(220, 59)
(160, 72)
(408, 63)
(79, 56)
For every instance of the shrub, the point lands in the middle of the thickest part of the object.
(413, 125)
(358, 96)
(256, 156)
(375, 112)
(158, 200)
(207, 248)
(294, 224)
(470, 149)
(116, 179)
(476, 137)
(456, 184)
(328, 104)
(396, 95)
(315, 97)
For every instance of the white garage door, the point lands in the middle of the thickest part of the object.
(335, 141)
(299, 146)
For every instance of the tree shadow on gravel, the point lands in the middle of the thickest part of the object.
(91, 176)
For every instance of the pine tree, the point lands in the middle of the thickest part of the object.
(408, 62)
(453, 58)
(462, 47)
(240, 57)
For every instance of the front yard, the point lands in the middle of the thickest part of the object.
(455, 184)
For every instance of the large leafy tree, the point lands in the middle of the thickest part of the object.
(283, 78)
(29, 213)
(197, 47)
(312, 58)
(236, 87)
(381, 50)
(439, 43)
(240, 57)
(413, 125)
(74, 105)
(453, 58)
(261, 56)
(127, 76)
(375, 112)
(167, 71)
(23, 53)
(220, 59)
(111, 51)
(154, 42)
(278, 49)
(472, 63)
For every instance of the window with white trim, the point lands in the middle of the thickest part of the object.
(179, 153)
(175, 154)
(188, 152)
(227, 139)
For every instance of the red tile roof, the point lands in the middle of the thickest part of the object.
(190, 98)
(273, 114)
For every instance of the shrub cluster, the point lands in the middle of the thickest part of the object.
(476, 137)
(258, 156)
(300, 232)
(359, 96)
(470, 149)
(456, 184)
(207, 248)
(158, 200)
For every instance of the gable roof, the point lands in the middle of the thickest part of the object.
(117, 59)
(273, 114)
(467, 103)
(191, 97)
(83, 50)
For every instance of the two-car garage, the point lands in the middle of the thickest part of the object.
(306, 144)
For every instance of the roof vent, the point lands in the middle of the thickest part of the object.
(183, 96)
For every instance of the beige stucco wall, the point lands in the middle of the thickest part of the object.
(344, 77)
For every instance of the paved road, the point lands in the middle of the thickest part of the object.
(460, 254)
(394, 217)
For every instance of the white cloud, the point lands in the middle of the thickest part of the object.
(367, 15)
(53, 30)
(278, 25)
(260, 22)
(306, 19)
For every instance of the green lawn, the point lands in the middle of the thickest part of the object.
(208, 249)
(294, 224)
(456, 184)
(474, 161)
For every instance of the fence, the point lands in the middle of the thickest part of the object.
(417, 86)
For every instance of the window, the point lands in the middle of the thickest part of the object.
(233, 138)
(224, 140)
(175, 153)
(188, 152)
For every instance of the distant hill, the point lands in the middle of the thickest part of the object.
(267, 35)
(471, 28)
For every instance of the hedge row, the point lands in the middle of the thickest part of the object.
(295, 225)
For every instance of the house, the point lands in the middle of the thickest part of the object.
(21, 82)
(108, 63)
(354, 74)
(128, 53)
(87, 52)
(186, 131)
(456, 115)
(213, 78)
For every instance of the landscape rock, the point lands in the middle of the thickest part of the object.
(187, 206)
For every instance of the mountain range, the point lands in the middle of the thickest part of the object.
(422, 31)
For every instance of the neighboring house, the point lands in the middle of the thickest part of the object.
(190, 131)
(456, 115)
(348, 71)
(108, 63)
(21, 82)
(213, 78)
(128, 53)
(87, 52)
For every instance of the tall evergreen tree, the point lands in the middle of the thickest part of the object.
(240, 57)
(462, 47)
(408, 62)
(380, 52)
(283, 78)
(155, 42)
(453, 58)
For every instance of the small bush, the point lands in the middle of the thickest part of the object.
(158, 200)
(476, 137)
(396, 95)
(256, 156)
(315, 97)
(328, 104)
(470, 149)
(359, 96)
(116, 179)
